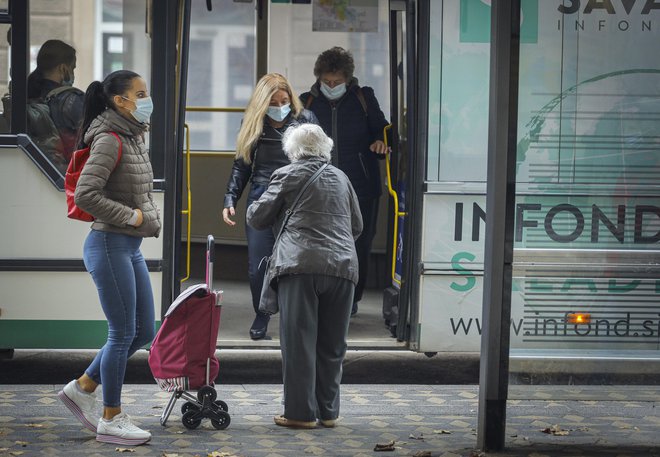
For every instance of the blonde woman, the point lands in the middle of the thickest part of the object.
(272, 109)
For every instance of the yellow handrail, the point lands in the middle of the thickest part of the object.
(209, 109)
(187, 212)
(397, 213)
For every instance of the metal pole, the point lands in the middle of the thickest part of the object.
(20, 63)
(500, 203)
(263, 11)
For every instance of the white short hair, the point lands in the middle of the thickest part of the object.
(306, 141)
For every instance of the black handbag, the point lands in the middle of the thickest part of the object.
(268, 300)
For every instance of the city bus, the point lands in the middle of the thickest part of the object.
(586, 270)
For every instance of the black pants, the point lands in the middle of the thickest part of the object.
(369, 210)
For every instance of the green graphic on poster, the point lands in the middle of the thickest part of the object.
(475, 21)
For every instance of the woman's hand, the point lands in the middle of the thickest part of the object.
(225, 216)
(140, 218)
(379, 147)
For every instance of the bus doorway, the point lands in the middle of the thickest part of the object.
(286, 38)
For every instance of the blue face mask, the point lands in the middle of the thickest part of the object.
(279, 113)
(333, 93)
(143, 109)
(69, 80)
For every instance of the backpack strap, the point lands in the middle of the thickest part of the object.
(120, 147)
(57, 91)
(362, 100)
(309, 101)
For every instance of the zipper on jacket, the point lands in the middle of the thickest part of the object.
(335, 156)
(364, 169)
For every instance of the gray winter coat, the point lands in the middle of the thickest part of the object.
(110, 193)
(319, 236)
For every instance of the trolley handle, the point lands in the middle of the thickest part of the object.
(210, 259)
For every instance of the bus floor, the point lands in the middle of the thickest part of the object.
(367, 328)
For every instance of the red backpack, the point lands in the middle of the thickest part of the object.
(76, 165)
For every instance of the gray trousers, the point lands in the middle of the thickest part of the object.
(314, 314)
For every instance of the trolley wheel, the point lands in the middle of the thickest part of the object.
(207, 392)
(222, 405)
(221, 420)
(189, 406)
(191, 420)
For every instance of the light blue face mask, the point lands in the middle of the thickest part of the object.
(279, 113)
(69, 80)
(143, 109)
(333, 93)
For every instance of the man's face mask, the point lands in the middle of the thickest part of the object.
(143, 109)
(279, 113)
(333, 93)
(68, 78)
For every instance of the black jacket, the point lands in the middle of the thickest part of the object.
(353, 130)
(267, 156)
(319, 236)
(66, 110)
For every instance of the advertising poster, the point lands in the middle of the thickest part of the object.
(588, 175)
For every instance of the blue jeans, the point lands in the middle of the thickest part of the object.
(260, 244)
(122, 279)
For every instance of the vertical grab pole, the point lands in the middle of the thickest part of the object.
(187, 212)
(210, 259)
(397, 213)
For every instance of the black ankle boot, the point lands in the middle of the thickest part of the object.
(259, 326)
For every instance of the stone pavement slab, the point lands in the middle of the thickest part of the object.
(420, 420)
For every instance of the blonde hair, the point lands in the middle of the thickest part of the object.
(306, 141)
(253, 122)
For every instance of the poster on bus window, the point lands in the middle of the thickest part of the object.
(345, 16)
(588, 175)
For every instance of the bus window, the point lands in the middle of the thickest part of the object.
(5, 49)
(311, 29)
(69, 48)
(221, 71)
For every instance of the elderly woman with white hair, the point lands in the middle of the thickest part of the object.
(316, 268)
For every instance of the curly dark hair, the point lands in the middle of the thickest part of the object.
(335, 60)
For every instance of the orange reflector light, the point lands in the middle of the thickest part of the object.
(578, 318)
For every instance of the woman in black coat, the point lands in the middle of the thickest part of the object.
(272, 109)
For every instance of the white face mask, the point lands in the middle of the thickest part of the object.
(333, 93)
(279, 113)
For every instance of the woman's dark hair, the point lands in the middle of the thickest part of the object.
(51, 54)
(99, 95)
(335, 60)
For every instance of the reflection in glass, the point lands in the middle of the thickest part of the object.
(5, 57)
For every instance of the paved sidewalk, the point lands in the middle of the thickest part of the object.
(420, 420)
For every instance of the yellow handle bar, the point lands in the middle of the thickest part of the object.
(397, 213)
(188, 211)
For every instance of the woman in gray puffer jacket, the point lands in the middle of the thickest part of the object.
(316, 267)
(116, 190)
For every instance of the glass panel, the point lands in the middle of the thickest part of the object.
(588, 174)
(79, 44)
(5, 58)
(300, 32)
(458, 92)
(4, 6)
(585, 293)
(221, 71)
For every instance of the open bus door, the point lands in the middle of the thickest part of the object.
(397, 304)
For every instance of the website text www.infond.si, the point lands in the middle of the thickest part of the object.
(627, 325)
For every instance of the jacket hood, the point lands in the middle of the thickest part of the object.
(315, 90)
(111, 121)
